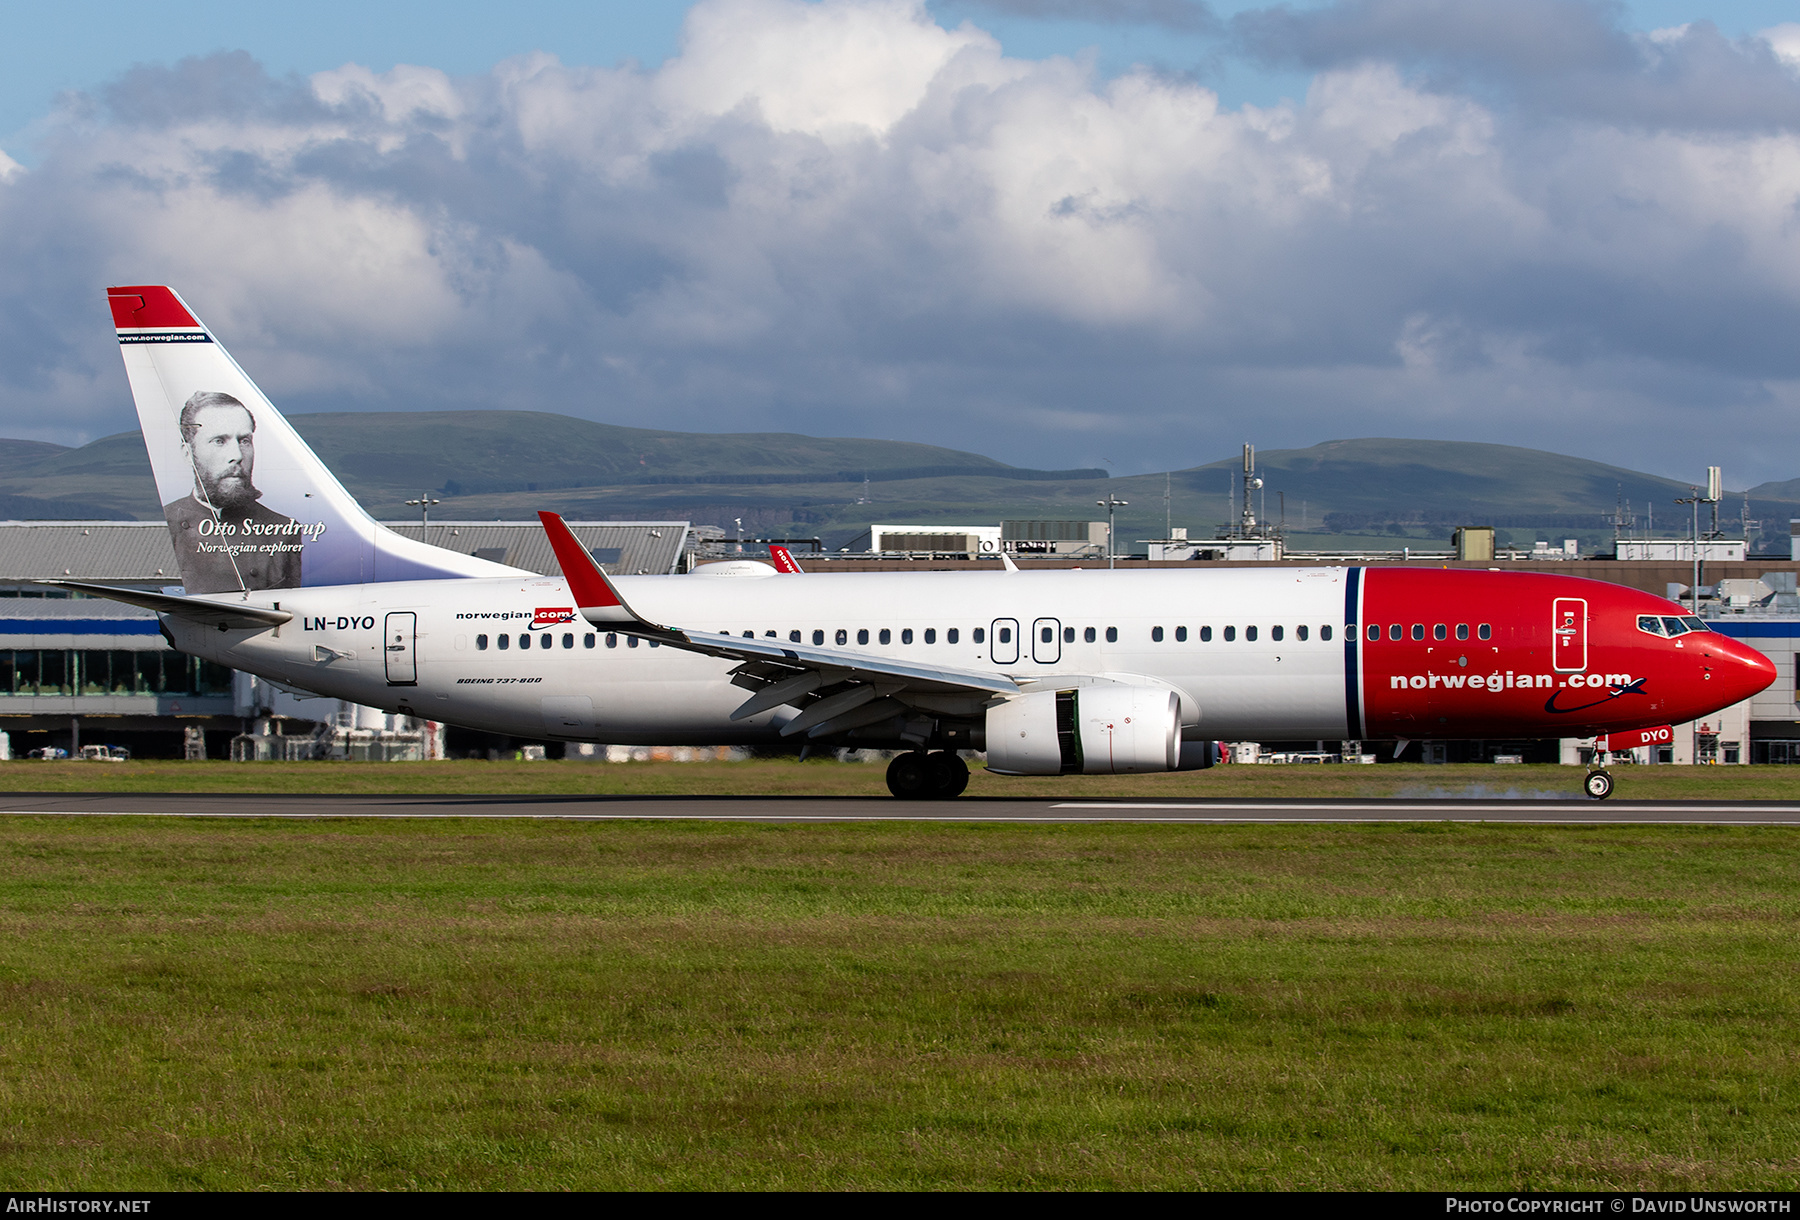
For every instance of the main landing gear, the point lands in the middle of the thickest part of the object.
(1598, 785)
(918, 776)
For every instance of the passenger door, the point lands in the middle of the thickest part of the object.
(1568, 635)
(399, 637)
(1046, 641)
(1003, 641)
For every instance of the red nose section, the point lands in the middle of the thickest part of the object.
(1743, 672)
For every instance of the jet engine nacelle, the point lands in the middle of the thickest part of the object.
(1112, 729)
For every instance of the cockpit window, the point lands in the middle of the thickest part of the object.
(1671, 625)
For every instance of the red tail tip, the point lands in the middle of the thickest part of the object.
(147, 306)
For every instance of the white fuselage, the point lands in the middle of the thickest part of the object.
(567, 680)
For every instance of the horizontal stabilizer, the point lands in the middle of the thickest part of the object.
(226, 616)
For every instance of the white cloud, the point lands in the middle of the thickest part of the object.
(1784, 40)
(843, 218)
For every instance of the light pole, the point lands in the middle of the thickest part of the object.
(423, 504)
(1111, 504)
(1715, 489)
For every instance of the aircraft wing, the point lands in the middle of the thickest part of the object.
(836, 689)
(226, 616)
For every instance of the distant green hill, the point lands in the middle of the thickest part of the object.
(508, 464)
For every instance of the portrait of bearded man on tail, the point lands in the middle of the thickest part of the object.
(218, 437)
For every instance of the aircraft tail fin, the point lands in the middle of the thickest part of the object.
(784, 560)
(249, 505)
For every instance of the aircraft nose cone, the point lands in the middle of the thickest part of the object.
(1745, 671)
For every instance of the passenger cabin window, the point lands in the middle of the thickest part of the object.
(1462, 631)
(1275, 633)
(931, 635)
(1374, 632)
(905, 635)
(569, 639)
(887, 637)
(818, 637)
(862, 635)
(481, 642)
(793, 637)
(546, 641)
(1325, 631)
(979, 635)
(1088, 635)
(1112, 635)
(1006, 635)
(842, 637)
(1068, 635)
(1300, 632)
(1206, 635)
(504, 642)
(1418, 631)
(587, 641)
(1156, 634)
(1440, 632)
(950, 635)
(1230, 634)
(1250, 635)
(1181, 635)
(612, 639)
(1396, 632)
(1484, 631)
(1048, 635)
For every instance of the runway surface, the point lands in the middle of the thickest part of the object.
(873, 809)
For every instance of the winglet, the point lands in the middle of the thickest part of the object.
(784, 561)
(599, 603)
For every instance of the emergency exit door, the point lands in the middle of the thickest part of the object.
(399, 636)
(1568, 635)
(1003, 641)
(1046, 641)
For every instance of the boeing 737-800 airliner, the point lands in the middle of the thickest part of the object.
(1046, 671)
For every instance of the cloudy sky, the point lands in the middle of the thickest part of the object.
(1061, 232)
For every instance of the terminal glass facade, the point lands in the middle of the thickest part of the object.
(55, 671)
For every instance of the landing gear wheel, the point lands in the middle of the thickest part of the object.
(946, 775)
(906, 776)
(1599, 785)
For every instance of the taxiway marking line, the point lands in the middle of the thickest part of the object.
(1027, 819)
(1459, 806)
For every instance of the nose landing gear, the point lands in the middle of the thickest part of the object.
(918, 776)
(1598, 785)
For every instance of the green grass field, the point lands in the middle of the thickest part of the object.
(547, 1005)
(785, 777)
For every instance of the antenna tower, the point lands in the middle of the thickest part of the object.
(1247, 519)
